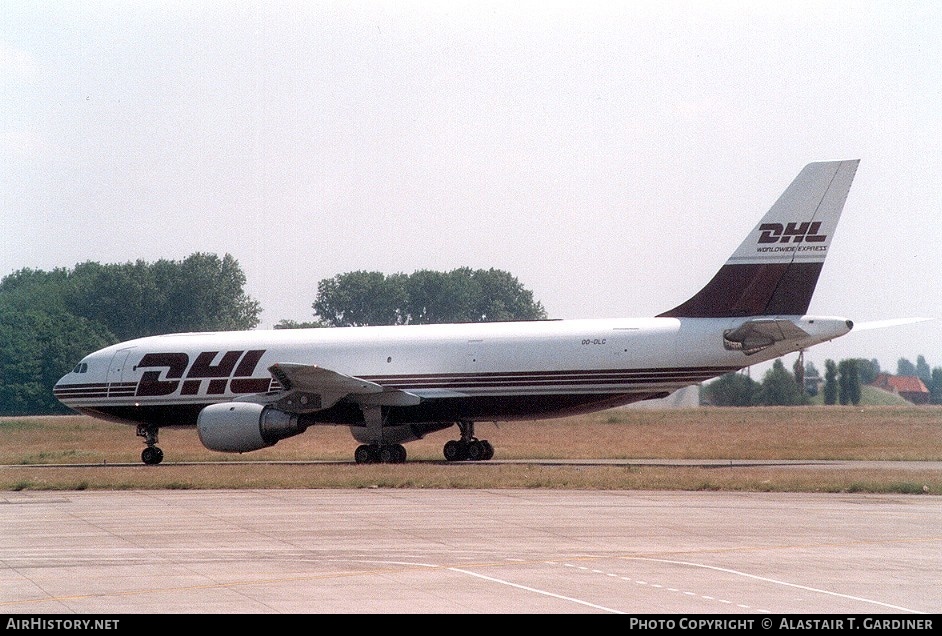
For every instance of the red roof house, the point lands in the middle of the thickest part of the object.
(908, 387)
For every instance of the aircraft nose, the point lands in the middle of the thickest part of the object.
(72, 385)
(64, 380)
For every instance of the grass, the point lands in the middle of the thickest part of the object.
(102, 455)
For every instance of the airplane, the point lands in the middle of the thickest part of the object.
(247, 390)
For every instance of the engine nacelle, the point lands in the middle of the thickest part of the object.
(239, 427)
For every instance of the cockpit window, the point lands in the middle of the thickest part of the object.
(81, 367)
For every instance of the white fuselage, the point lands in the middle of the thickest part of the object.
(585, 362)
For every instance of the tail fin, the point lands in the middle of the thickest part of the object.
(775, 270)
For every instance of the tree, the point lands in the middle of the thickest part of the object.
(439, 297)
(868, 370)
(360, 298)
(853, 382)
(848, 382)
(284, 323)
(843, 390)
(732, 389)
(49, 320)
(905, 367)
(935, 386)
(830, 382)
(499, 296)
(37, 347)
(923, 370)
(424, 297)
(778, 387)
(201, 293)
(812, 379)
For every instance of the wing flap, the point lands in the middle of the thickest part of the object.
(308, 388)
(312, 378)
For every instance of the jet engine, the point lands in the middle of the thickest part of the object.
(239, 427)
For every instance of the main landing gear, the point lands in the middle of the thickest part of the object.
(380, 454)
(152, 455)
(468, 447)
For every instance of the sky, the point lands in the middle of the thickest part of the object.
(610, 155)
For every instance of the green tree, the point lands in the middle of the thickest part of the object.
(293, 324)
(439, 297)
(853, 383)
(424, 297)
(935, 386)
(499, 296)
(848, 382)
(201, 293)
(923, 371)
(830, 382)
(360, 298)
(843, 378)
(49, 320)
(778, 387)
(732, 389)
(812, 379)
(868, 370)
(37, 347)
(905, 367)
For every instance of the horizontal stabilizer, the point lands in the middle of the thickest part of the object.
(884, 324)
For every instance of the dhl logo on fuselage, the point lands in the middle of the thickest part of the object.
(794, 232)
(234, 371)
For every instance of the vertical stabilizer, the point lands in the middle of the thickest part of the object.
(775, 270)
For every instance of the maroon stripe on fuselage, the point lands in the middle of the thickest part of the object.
(506, 408)
(574, 379)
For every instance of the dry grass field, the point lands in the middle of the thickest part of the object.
(102, 455)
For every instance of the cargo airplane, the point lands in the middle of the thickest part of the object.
(247, 390)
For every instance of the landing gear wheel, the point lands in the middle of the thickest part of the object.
(455, 451)
(380, 454)
(476, 451)
(364, 454)
(468, 447)
(400, 454)
(152, 455)
(388, 454)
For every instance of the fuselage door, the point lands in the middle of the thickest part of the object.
(621, 343)
(474, 354)
(117, 373)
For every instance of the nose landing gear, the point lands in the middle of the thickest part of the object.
(152, 455)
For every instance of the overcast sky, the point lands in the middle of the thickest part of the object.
(611, 155)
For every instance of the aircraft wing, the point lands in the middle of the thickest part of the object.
(307, 388)
(755, 335)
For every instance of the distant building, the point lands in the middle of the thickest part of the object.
(685, 398)
(908, 387)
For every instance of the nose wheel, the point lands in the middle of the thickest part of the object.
(152, 455)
